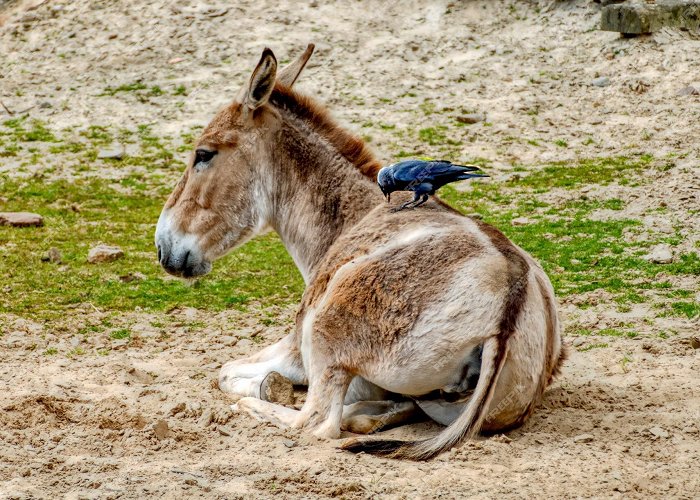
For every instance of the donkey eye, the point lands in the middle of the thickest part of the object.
(203, 156)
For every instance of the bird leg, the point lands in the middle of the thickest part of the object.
(408, 204)
(423, 200)
(415, 202)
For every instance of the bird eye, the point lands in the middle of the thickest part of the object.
(203, 156)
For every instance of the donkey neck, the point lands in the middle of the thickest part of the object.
(316, 193)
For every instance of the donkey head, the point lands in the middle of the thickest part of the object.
(218, 203)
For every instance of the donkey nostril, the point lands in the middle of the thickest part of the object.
(160, 253)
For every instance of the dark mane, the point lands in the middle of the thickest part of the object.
(347, 144)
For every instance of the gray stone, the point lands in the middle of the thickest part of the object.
(637, 18)
(692, 89)
(659, 432)
(139, 376)
(53, 256)
(224, 431)
(20, 219)
(521, 221)
(115, 152)
(660, 254)
(244, 343)
(136, 276)
(603, 81)
(104, 253)
(229, 340)
(584, 438)
(471, 118)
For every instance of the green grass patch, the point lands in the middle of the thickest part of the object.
(25, 130)
(579, 254)
(261, 270)
(593, 346)
(127, 87)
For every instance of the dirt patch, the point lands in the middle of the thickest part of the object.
(146, 419)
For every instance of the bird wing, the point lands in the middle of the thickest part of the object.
(430, 171)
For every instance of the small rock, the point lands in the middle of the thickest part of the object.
(578, 342)
(161, 430)
(660, 254)
(695, 342)
(104, 253)
(216, 12)
(45, 105)
(277, 388)
(603, 81)
(659, 432)
(53, 256)
(206, 418)
(229, 340)
(20, 219)
(502, 438)
(584, 438)
(521, 221)
(693, 89)
(175, 408)
(289, 443)
(244, 343)
(650, 347)
(224, 431)
(128, 278)
(638, 85)
(470, 118)
(113, 153)
(139, 376)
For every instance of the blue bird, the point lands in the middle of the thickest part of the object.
(421, 177)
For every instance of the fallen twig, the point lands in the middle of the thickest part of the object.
(6, 108)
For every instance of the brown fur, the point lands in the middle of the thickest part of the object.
(350, 146)
(283, 161)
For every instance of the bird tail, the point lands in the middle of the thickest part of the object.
(470, 176)
(467, 424)
(468, 168)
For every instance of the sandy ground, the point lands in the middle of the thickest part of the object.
(147, 420)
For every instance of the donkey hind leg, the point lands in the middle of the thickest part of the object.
(367, 417)
(245, 376)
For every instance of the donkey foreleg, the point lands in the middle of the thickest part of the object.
(244, 377)
(278, 415)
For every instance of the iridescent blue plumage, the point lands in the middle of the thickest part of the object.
(422, 177)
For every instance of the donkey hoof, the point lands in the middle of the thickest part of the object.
(277, 388)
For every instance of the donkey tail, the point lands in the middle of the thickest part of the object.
(467, 424)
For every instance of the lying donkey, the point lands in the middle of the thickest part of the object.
(401, 310)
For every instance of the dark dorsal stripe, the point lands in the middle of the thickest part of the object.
(518, 270)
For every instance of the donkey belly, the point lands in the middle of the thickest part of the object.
(423, 372)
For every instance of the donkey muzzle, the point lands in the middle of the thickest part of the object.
(178, 253)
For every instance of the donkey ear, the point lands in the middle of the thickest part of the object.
(290, 73)
(262, 81)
